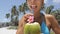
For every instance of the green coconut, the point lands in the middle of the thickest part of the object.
(32, 28)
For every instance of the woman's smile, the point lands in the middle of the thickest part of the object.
(33, 7)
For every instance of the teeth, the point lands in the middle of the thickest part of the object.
(33, 6)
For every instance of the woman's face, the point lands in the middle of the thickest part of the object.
(35, 4)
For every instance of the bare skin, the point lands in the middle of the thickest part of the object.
(54, 24)
(51, 22)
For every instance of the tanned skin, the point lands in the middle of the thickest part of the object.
(51, 22)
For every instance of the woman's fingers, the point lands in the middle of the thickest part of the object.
(26, 16)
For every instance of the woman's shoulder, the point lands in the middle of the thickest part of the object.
(49, 16)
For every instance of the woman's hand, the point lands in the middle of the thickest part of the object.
(26, 17)
(21, 23)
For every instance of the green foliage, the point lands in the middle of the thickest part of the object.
(13, 10)
(49, 9)
(7, 15)
(23, 8)
(14, 15)
(12, 27)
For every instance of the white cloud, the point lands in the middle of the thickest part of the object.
(56, 1)
(45, 1)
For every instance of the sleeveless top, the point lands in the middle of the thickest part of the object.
(44, 28)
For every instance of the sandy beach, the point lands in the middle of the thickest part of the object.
(4, 30)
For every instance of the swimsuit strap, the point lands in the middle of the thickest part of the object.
(44, 28)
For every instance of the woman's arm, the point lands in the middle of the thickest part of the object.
(54, 25)
(21, 24)
(20, 27)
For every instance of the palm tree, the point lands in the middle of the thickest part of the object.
(14, 15)
(49, 9)
(58, 14)
(55, 12)
(7, 15)
(16, 20)
(13, 10)
(23, 8)
(26, 7)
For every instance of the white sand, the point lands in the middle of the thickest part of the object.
(4, 30)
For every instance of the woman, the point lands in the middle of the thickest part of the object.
(47, 21)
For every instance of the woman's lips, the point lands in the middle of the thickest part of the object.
(33, 6)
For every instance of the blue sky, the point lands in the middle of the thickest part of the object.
(56, 3)
(6, 5)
